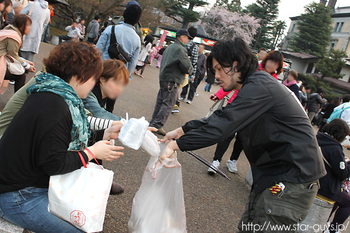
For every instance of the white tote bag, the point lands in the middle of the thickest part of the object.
(14, 66)
(80, 197)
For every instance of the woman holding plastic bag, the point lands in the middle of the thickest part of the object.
(49, 136)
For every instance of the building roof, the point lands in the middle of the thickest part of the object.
(338, 83)
(299, 55)
(338, 13)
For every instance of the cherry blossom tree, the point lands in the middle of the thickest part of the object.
(225, 25)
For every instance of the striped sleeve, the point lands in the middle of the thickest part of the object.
(98, 123)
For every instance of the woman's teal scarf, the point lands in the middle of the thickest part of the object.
(47, 82)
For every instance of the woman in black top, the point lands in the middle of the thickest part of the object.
(47, 135)
(338, 169)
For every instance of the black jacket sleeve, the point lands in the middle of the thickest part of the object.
(336, 159)
(251, 102)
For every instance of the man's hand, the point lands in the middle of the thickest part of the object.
(175, 134)
(112, 133)
(213, 97)
(168, 158)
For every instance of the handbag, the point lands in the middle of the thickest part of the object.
(115, 51)
(80, 197)
(14, 66)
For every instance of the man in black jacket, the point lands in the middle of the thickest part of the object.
(276, 134)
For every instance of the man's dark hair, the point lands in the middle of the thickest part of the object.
(307, 88)
(346, 98)
(192, 31)
(319, 90)
(262, 49)
(227, 52)
(336, 101)
(97, 17)
(337, 129)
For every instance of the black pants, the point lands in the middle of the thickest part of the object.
(20, 80)
(166, 99)
(183, 94)
(342, 209)
(198, 79)
(66, 38)
(142, 68)
(222, 147)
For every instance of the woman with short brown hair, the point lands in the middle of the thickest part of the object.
(273, 63)
(47, 136)
(101, 100)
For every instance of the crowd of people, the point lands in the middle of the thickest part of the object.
(67, 111)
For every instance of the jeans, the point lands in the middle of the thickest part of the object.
(208, 87)
(222, 147)
(27, 208)
(28, 55)
(166, 99)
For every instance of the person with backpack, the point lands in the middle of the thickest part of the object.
(314, 102)
(125, 36)
(328, 110)
(338, 170)
(342, 111)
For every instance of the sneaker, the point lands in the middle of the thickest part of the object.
(181, 99)
(161, 131)
(188, 102)
(12, 82)
(216, 164)
(232, 166)
(175, 111)
(196, 94)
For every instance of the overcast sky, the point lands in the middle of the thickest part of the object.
(289, 8)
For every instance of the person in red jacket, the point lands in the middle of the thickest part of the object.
(272, 64)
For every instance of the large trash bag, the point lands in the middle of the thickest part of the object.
(158, 206)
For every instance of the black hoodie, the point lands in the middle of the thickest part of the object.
(339, 170)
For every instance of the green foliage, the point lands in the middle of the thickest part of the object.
(314, 30)
(330, 65)
(314, 83)
(230, 5)
(183, 9)
(267, 12)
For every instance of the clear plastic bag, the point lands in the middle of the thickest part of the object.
(158, 206)
(133, 132)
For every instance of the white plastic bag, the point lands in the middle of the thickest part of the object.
(133, 132)
(158, 206)
(150, 144)
(80, 197)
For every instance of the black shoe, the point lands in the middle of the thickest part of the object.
(116, 189)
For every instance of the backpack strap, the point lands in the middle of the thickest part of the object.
(113, 38)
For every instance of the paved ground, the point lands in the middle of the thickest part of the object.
(213, 204)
